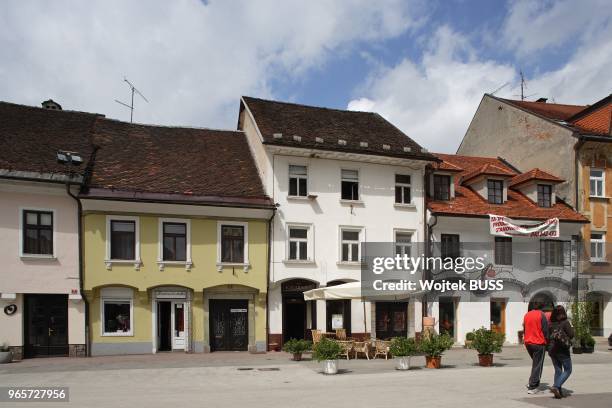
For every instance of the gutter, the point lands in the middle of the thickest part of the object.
(81, 271)
(268, 267)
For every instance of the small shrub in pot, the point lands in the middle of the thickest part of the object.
(486, 342)
(433, 346)
(327, 351)
(402, 348)
(297, 347)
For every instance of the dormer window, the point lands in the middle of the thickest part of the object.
(495, 191)
(441, 187)
(544, 195)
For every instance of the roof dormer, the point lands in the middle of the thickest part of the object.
(538, 186)
(490, 182)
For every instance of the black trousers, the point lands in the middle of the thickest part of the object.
(537, 353)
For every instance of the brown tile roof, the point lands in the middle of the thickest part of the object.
(555, 111)
(534, 174)
(487, 169)
(469, 203)
(174, 164)
(323, 128)
(30, 138)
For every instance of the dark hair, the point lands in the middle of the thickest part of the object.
(535, 305)
(558, 314)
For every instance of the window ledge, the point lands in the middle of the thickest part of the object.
(299, 261)
(298, 198)
(351, 202)
(599, 261)
(187, 264)
(245, 266)
(136, 262)
(599, 197)
(37, 256)
(349, 263)
(409, 206)
(117, 335)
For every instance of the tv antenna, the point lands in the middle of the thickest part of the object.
(131, 105)
(524, 87)
(500, 88)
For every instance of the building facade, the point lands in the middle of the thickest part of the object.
(572, 141)
(463, 192)
(43, 157)
(176, 242)
(339, 179)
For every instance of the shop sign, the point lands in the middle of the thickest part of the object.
(505, 227)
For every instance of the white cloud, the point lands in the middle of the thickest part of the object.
(191, 59)
(532, 26)
(433, 102)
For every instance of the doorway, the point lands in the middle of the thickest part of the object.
(170, 325)
(391, 319)
(447, 313)
(229, 325)
(298, 315)
(595, 301)
(46, 325)
(498, 315)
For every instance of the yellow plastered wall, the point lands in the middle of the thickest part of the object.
(203, 273)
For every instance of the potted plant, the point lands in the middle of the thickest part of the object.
(469, 338)
(588, 343)
(486, 342)
(433, 346)
(402, 349)
(327, 351)
(297, 347)
(6, 354)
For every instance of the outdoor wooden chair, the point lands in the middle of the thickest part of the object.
(316, 336)
(341, 334)
(381, 349)
(362, 347)
(347, 347)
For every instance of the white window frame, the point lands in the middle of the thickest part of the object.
(601, 180)
(298, 183)
(602, 242)
(309, 242)
(22, 210)
(346, 200)
(361, 231)
(160, 240)
(245, 265)
(116, 295)
(136, 261)
(404, 231)
(409, 185)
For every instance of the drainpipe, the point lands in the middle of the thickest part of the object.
(80, 244)
(268, 278)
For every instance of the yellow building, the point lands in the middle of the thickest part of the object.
(175, 237)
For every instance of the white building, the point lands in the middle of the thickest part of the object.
(44, 154)
(339, 178)
(463, 191)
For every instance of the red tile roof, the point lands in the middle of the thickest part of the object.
(174, 164)
(30, 138)
(487, 169)
(469, 203)
(597, 122)
(555, 111)
(324, 128)
(534, 174)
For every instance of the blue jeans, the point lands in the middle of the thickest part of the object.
(563, 368)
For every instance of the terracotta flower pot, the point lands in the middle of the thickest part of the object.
(433, 362)
(297, 356)
(485, 360)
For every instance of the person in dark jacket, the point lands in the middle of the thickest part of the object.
(559, 352)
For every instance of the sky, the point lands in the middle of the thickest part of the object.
(422, 64)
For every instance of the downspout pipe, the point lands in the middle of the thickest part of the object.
(268, 268)
(81, 269)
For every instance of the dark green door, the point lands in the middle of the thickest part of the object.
(46, 325)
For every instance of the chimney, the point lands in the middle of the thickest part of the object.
(51, 104)
(542, 100)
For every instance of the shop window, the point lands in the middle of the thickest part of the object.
(117, 317)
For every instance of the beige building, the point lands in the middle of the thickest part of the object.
(573, 142)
